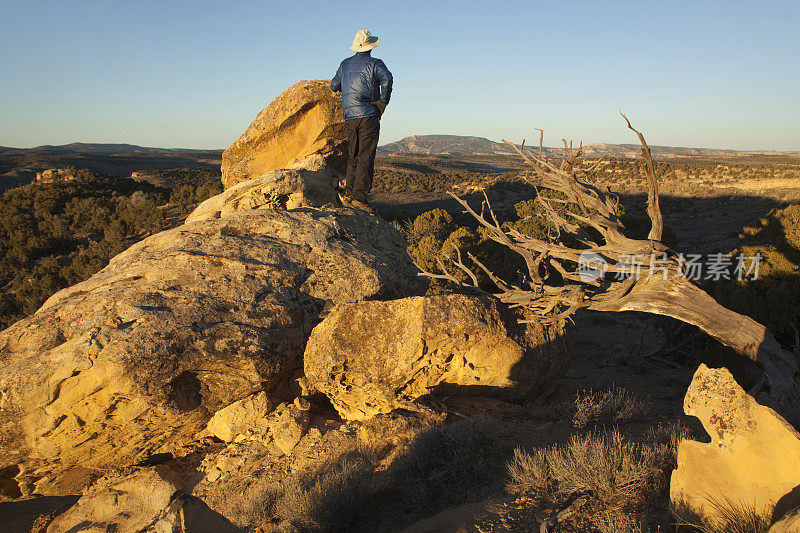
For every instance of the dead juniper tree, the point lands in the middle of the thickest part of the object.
(585, 223)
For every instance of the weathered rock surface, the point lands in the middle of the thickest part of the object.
(148, 500)
(54, 174)
(238, 417)
(136, 360)
(788, 523)
(253, 418)
(302, 128)
(278, 189)
(377, 356)
(753, 458)
(289, 424)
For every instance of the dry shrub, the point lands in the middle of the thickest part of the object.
(772, 298)
(256, 507)
(609, 406)
(621, 477)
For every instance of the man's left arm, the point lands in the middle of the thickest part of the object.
(385, 80)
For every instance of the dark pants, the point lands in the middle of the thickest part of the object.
(362, 140)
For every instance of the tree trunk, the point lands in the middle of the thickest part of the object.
(678, 298)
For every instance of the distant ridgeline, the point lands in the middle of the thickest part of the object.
(19, 166)
(66, 225)
(466, 145)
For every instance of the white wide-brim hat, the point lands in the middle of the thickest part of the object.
(364, 41)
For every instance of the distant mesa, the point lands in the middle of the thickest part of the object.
(445, 145)
(466, 145)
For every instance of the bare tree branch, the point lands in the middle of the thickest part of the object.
(653, 207)
(586, 224)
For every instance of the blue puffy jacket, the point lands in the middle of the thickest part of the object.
(362, 79)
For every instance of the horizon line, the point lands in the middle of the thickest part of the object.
(111, 143)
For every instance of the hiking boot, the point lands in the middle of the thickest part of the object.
(345, 199)
(361, 205)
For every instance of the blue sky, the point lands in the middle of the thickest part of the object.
(194, 74)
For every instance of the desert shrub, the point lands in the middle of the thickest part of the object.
(332, 500)
(209, 189)
(53, 235)
(773, 298)
(184, 197)
(434, 236)
(606, 407)
(257, 507)
(436, 223)
(530, 220)
(620, 477)
(140, 214)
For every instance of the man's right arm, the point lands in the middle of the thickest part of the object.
(336, 82)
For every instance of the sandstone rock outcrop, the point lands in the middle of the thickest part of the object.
(148, 500)
(753, 458)
(253, 418)
(374, 357)
(289, 423)
(238, 417)
(278, 189)
(54, 174)
(135, 360)
(301, 128)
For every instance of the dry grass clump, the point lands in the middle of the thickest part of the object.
(447, 465)
(605, 407)
(735, 518)
(620, 477)
(332, 500)
(444, 465)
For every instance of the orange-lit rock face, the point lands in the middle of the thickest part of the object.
(753, 459)
(303, 127)
(135, 360)
(372, 357)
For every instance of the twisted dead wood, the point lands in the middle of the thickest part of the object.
(661, 286)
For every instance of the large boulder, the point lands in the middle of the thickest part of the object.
(753, 458)
(302, 128)
(377, 356)
(136, 360)
(147, 500)
(279, 189)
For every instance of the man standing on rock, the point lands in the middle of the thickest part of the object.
(366, 85)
